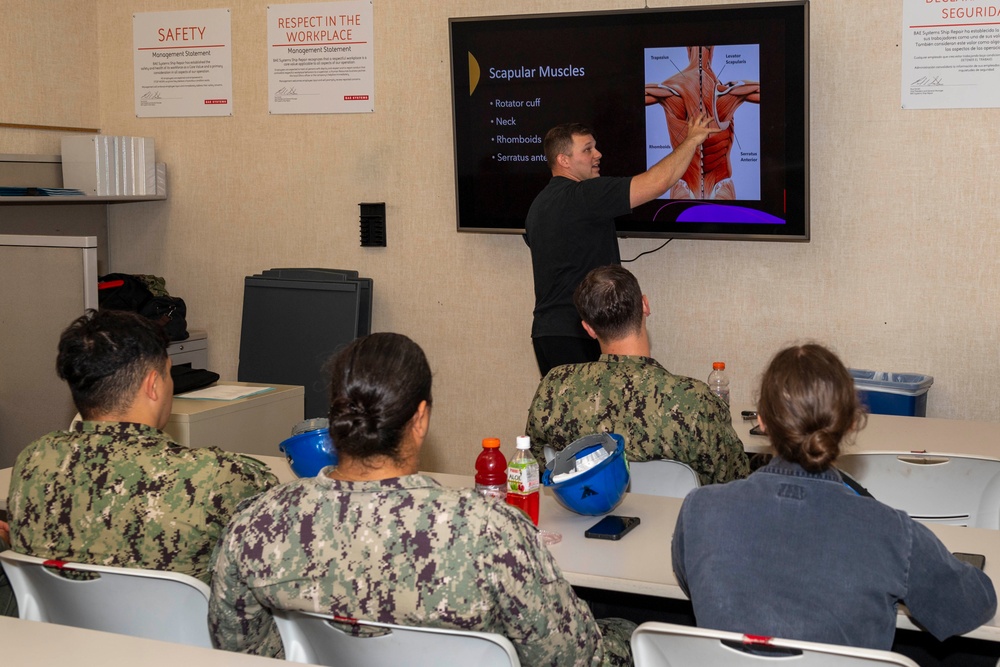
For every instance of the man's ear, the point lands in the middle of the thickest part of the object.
(152, 385)
(562, 160)
(645, 306)
(589, 329)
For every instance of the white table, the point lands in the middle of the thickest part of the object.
(640, 562)
(891, 433)
(38, 643)
(279, 466)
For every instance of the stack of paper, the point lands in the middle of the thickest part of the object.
(224, 392)
(103, 165)
(38, 192)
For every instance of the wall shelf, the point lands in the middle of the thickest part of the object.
(46, 171)
(59, 216)
(81, 199)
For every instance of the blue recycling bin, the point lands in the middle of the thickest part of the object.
(886, 393)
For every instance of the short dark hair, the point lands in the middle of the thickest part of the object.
(610, 301)
(104, 356)
(809, 406)
(559, 140)
(376, 384)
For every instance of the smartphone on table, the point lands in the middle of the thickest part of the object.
(612, 527)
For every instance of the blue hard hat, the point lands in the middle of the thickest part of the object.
(597, 490)
(310, 449)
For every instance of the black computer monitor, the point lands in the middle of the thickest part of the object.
(291, 328)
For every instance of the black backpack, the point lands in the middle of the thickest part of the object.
(124, 291)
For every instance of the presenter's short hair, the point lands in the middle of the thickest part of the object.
(559, 140)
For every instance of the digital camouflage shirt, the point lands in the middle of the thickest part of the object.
(406, 551)
(121, 494)
(659, 414)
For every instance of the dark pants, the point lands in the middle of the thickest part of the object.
(552, 351)
(8, 603)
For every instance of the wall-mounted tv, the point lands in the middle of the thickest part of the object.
(634, 76)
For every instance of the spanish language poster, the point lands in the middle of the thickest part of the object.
(951, 52)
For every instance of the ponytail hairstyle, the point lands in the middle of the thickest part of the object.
(809, 406)
(376, 384)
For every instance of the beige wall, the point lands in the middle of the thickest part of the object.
(48, 71)
(900, 273)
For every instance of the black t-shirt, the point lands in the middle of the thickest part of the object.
(570, 229)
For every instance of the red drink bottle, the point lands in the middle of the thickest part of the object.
(491, 470)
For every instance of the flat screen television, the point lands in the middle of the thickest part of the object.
(633, 76)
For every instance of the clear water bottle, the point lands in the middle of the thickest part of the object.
(718, 381)
(491, 470)
(523, 480)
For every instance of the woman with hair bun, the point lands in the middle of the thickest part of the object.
(372, 539)
(793, 552)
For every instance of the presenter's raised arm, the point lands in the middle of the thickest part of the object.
(659, 178)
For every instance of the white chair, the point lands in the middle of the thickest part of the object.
(934, 488)
(662, 477)
(143, 603)
(548, 452)
(667, 645)
(317, 639)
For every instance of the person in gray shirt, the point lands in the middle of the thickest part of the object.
(793, 552)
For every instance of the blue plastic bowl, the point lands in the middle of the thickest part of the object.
(308, 453)
(595, 491)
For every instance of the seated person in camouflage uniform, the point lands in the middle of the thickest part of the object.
(114, 489)
(373, 539)
(660, 415)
